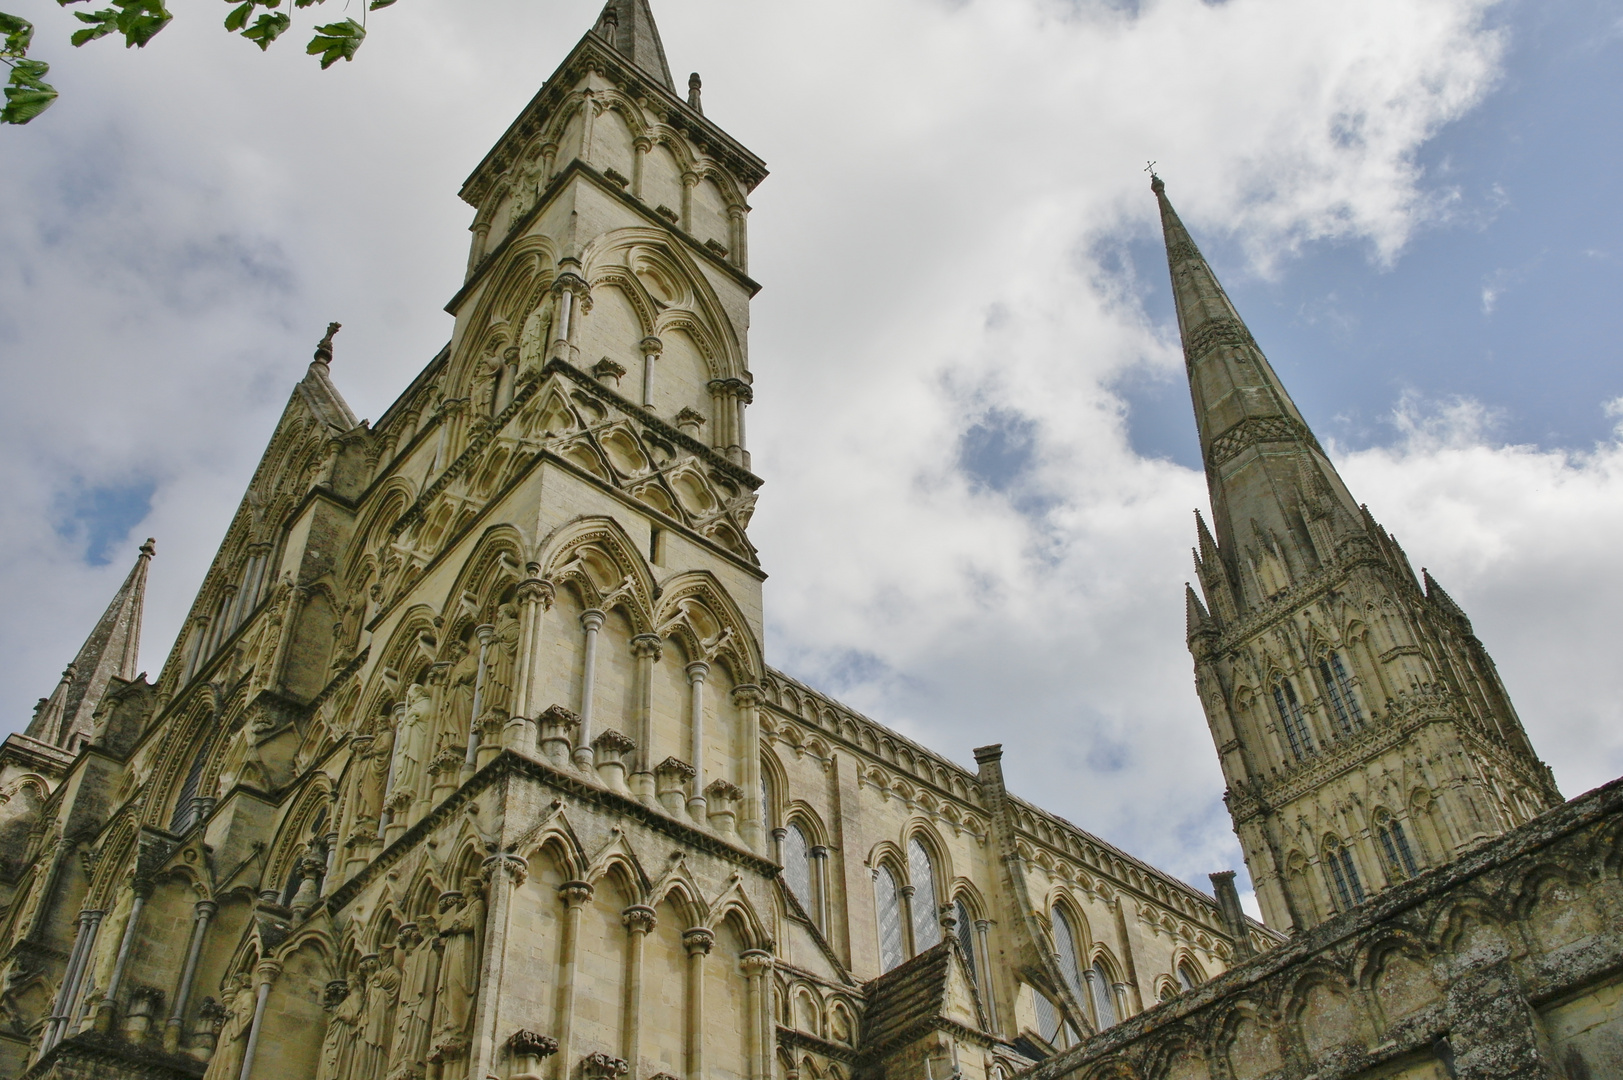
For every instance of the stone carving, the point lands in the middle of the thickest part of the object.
(412, 740)
(377, 1031)
(460, 933)
(501, 662)
(416, 941)
(529, 1049)
(533, 339)
(345, 1000)
(232, 1042)
(459, 692)
(601, 1066)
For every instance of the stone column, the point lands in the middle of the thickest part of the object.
(981, 928)
(143, 890)
(689, 182)
(906, 892)
(819, 897)
(738, 234)
(697, 942)
(84, 938)
(757, 967)
(534, 597)
(266, 974)
(639, 154)
(202, 912)
(549, 154)
(696, 676)
(504, 872)
(575, 895)
(484, 632)
(476, 251)
(639, 922)
(647, 649)
(651, 348)
(747, 699)
(592, 620)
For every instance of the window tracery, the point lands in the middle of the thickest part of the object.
(1347, 888)
(1343, 702)
(1292, 720)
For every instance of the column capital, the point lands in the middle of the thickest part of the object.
(576, 893)
(697, 671)
(484, 632)
(204, 909)
(755, 962)
(697, 941)
(268, 971)
(639, 919)
(907, 891)
(592, 619)
(647, 645)
(746, 695)
(506, 865)
(651, 346)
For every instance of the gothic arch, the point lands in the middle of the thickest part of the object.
(495, 565)
(688, 600)
(598, 558)
(518, 286)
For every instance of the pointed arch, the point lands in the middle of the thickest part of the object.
(596, 557)
(687, 601)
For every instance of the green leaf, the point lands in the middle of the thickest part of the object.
(336, 41)
(27, 93)
(19, 32)
(238, 17)
(267, 29)
(307, 3)
(101, 23)
(375, 4)
(141, 20)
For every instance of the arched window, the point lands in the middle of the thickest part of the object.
(1070, 966)
(1104, 1005)
(1290, 716)
(888, 899)
(1346, 887)
(926, 921)
(1342, 700)
(183, 818)
(797, 868)
(966, 938)
(1395, 846)
(1188, 978)
(1047, 1018)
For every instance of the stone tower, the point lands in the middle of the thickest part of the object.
(1363, 730)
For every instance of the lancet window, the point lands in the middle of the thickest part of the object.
(965, 931)
(1343, 702)
(1395, 846)
(1103, 1007)
(1292, 720)
(1348, 889)
(184, 816)
(926, 923)
(1187, 976)
(797, 868)
(1070, 966)
(888, 898)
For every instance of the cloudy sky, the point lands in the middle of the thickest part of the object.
(979, 457)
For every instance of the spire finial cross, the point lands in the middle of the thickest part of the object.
(1149, 167)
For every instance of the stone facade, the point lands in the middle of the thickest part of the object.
(468, 762)
(1506, 962)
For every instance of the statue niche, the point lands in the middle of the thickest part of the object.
(501, 664)
(345, 1000)
(231, 1044)
(462, 926)
(412, 737)
(534, 339)
(418, 941)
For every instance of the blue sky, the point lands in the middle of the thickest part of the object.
(970, 415)
(1510, 296)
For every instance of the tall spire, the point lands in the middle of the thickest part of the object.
(112, 650)
(628, 25)
(1268, 477)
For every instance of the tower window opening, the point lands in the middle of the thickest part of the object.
(1290, 715)
(1342, 699)
(1396, 846)
(656, 544)
(1344, 876)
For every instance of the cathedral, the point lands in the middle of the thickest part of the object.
(468, 764)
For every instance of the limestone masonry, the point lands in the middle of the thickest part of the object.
(468, 764)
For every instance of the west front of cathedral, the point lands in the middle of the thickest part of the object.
(468, 763)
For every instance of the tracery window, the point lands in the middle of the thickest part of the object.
(1294, 723)
(182, 819)
(1343, 702)
(1343, 875)
(1070, 966)
(888, 898)
(1395, 846)
(1187, 977)
(966, 938)
(1104, 1005)
(926, 922)
(797, 868)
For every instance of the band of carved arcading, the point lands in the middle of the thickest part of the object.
(1209, 335)
(1257, 429)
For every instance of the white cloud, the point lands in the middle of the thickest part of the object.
(185, 221)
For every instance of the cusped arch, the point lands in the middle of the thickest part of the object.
(596, 557)
(690, 598)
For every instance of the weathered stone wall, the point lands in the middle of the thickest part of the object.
(1507, 962)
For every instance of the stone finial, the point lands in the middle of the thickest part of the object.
(695, 85)
(324, 346)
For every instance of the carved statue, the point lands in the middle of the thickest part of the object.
(459, 695)
(533, 340)
(413, 738)
(232, 1043)
(347, 1003)
(416, 998)
(501, 662)
(372, 773)
(460, 931)
(377, 1032)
